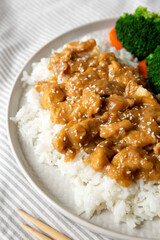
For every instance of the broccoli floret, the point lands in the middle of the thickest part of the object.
(139, 33)
(153, 64)
(141, 11)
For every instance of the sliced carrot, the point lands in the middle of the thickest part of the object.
(113, 38)
(142, 67)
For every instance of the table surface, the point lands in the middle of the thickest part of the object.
(25, 27)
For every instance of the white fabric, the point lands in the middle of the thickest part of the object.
(26, 25)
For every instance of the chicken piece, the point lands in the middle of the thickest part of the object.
(132, 159)
(156, 149)
(153, 175)
(101, 155)
(122, 74)
(58, 63)
(82, 133)
(75, 135)
(148, 124)
(109, 130)
(104, 117)
(75, 57)
(105, 59)
(76, 84)
(89, 79)
(90, 102)
(119, 103)
(122, 177)
(139, 138)
(79, 65)
(82, 46)
(115, 106)
(88, 105)
(60, 141)
(141, 94)
(61, 112)
(114, 68)
(126, 163)
(52, 93)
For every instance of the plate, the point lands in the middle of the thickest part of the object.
(39, 174)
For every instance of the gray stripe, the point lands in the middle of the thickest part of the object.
(62, 219)
(29, 202)
(37, 204)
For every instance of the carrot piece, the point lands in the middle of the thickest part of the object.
(142, 67)
(113, 38)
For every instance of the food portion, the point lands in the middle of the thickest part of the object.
(139, 33)
(92, 114)
(106, 111)
(92, 117)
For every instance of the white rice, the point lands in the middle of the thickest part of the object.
(93, 191)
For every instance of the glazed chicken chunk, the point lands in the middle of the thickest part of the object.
(72, 110)
(75, 135)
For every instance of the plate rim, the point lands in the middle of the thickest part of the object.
(91, 226)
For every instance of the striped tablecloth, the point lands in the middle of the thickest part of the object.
(25, 26)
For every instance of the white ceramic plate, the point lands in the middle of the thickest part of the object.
(38, 174)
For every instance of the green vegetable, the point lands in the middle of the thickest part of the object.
(139, 33)
(153, 64)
